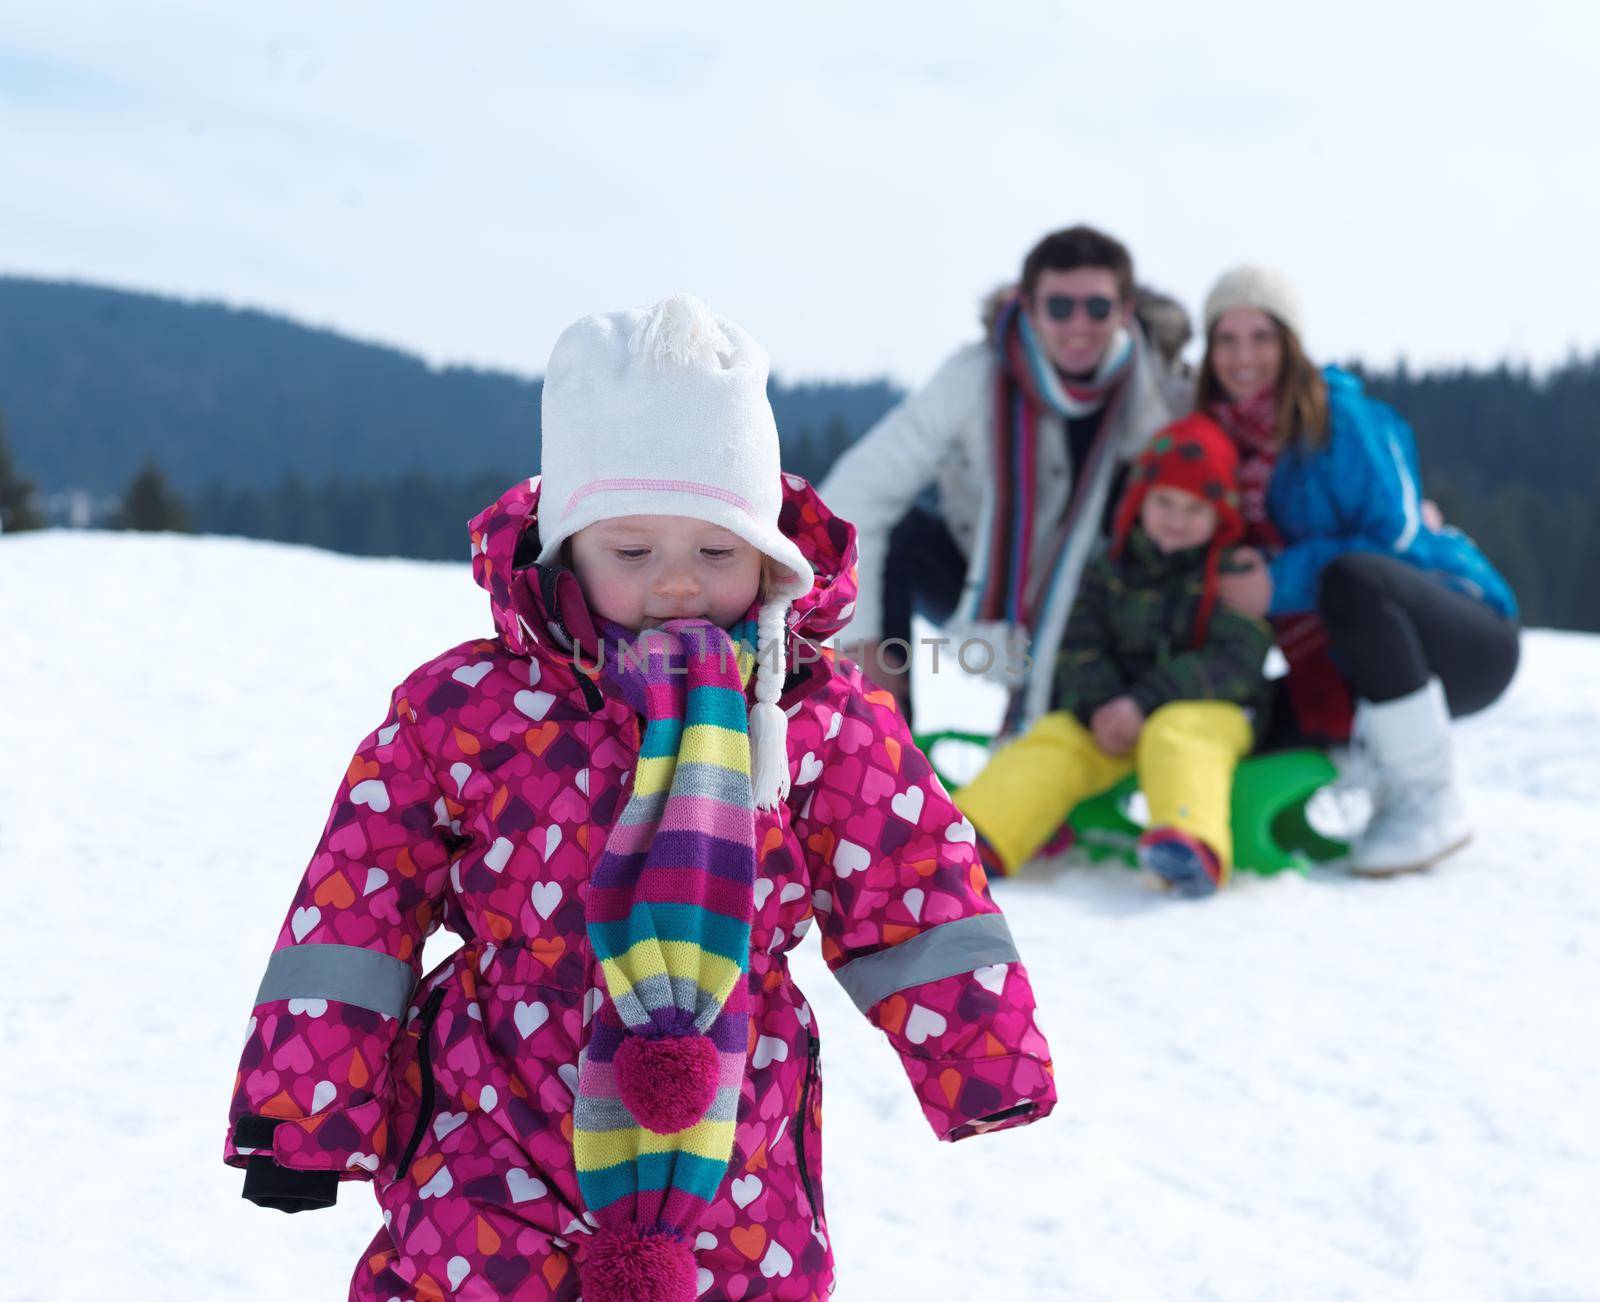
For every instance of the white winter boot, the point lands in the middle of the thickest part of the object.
(1417, 815)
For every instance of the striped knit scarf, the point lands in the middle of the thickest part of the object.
(1029, 384)
(668, 917)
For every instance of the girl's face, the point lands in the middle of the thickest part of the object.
(1246, 352)
(642, 570)
(1177, 520)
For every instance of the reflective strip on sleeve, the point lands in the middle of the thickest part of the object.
(943, 951)
(361, 977)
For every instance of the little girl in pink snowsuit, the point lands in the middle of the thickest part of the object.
(629, 804)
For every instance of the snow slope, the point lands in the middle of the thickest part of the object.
(1301, 1089)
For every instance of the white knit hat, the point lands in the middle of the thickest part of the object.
(1262, 288)
(665, 412)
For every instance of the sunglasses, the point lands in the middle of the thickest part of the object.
(1060, 307)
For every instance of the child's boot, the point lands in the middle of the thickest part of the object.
(1186, 865)
(1417, 814)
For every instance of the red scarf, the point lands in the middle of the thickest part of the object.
(1318, 693)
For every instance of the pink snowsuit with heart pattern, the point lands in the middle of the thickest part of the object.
(481, 804)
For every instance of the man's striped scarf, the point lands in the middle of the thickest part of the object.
(1028, 384)
(668, 917)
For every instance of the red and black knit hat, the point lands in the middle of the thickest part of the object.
(1196, 455)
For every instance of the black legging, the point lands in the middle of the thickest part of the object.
(922, 574)
(1393, 627)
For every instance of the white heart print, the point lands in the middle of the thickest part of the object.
(777, 1261)
(524, 1187)
(992, 977)
(924, 1022)
(745, 1190)
(908, 804)
(371, 793)
(545, 896)
(530, 1017)
(472, 675)
(534, 704)
(441, 1184)
(848, 857)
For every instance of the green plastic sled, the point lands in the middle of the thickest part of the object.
(1270, 831)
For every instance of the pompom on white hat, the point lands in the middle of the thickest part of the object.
(664, 412)
(1262, 288)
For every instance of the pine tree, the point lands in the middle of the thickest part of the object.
(18, 509)
(1586, 599)
(150, 505)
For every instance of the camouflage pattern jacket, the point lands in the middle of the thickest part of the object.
(1132, 632)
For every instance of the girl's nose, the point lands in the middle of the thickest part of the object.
(680, 581)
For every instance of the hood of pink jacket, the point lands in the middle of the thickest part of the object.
(534, 605)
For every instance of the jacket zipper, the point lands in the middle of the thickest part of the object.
(813, 1054)
(430, 1013)
(592, 697)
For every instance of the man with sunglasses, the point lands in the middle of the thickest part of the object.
(1025, 436)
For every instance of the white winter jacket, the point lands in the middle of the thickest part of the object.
(944, 432)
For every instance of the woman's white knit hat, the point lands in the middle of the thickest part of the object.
(664, 412)
(1262, 288)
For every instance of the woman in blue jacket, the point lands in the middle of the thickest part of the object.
(1392, 622)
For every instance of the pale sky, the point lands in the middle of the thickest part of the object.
(846, 181)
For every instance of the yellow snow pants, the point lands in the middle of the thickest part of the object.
(1185, 758)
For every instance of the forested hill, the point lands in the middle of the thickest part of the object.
(273, 429)
(95, 381)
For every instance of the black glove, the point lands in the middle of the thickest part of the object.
(269, 1185)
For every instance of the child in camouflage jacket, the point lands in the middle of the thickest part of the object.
(1154, 677)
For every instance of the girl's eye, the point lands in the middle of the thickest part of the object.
(717, 553)
(632, 553)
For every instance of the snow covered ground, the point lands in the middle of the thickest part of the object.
(1301, 1089)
